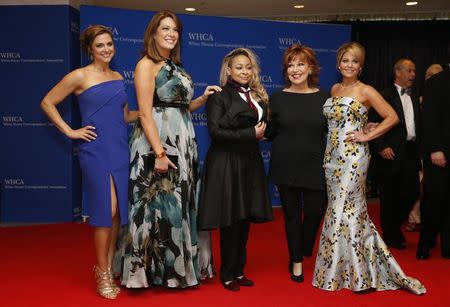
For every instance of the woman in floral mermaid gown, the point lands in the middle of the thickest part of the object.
(352, 254)
(161, 245)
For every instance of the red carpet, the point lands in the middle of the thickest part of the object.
(51, 265)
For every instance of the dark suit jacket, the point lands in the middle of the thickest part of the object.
(234, 183)
(436, 114)
(230, 118)
(396, 137)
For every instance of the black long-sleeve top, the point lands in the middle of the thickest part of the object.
(298, 130)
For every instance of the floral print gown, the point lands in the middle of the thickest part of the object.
(352, 254)
(161, 245)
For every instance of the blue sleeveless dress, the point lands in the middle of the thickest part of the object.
(108, 155)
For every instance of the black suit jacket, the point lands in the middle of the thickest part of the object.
(231, 120)
(234, 183)
(396, 136)
(436, 114)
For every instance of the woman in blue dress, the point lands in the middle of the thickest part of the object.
(161, 245)
(103, 153)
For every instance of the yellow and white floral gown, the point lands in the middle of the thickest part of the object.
(352, 254)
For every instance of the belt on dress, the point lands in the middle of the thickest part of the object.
(178, 105)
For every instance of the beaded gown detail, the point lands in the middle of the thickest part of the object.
(161, 245)
(351, 253)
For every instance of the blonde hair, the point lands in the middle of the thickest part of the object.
(355, 48)
(255, 82)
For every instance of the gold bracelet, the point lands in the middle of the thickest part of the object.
(161, 155)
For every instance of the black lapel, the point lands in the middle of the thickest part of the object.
(398, 104)
(239, 105)
(416, 107)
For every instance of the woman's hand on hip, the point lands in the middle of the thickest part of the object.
(357, 137)
(85, 133)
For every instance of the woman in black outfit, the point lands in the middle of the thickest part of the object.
(234, 186)
(298, 129)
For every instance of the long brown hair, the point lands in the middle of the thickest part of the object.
(255, 82)
(150, 49)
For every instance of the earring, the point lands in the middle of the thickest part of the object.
(338, 68)
(360, 71)
(91, 57)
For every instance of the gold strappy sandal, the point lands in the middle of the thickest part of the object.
(104, 286)
(113, 284)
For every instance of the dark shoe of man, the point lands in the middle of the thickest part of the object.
(231, 285)
(422, 253)
(244, 281)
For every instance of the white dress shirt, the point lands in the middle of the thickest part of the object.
(408, 111)
(255, 103)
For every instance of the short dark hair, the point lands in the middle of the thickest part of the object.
(90, 33)
(303, 53)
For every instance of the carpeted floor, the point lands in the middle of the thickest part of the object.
(51, 265)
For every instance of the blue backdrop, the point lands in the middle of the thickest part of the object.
(205, 40)
(39, 172)
(39, 179)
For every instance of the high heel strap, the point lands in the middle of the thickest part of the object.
(111, 279)
(104, 287)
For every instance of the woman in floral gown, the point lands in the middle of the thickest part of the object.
(352, 254)
(161, 245)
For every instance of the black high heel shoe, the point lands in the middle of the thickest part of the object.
(295, 278)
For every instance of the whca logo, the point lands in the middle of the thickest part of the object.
(9, 55)
(200, 116)
(12, 119)
(114, 31)
(266, 78)
(128, 74)
(14, 181)
(198, 36)
(287, 41)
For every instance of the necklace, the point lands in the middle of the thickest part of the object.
(348, 86)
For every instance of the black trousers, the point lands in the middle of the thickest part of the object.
(399, 189)
(233, 250)
(303, 210)
(435, 210)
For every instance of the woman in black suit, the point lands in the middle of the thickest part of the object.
(234, 186)
(298, 129)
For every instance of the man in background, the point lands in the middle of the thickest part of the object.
(414, 219)
(396, 159)
(436, 135)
